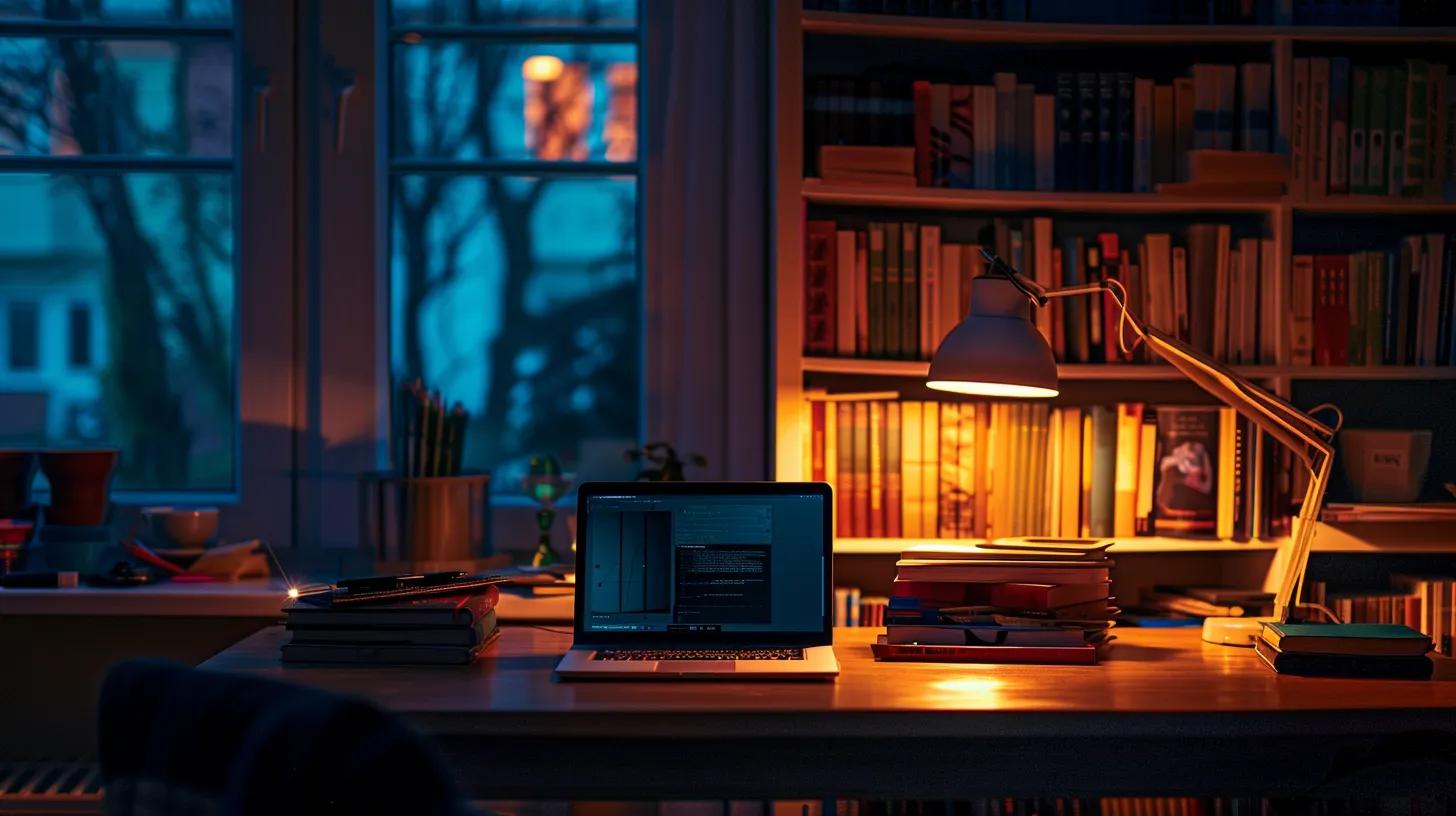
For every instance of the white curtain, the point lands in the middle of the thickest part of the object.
(707, 209)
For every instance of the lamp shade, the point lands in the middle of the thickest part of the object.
(995, 351)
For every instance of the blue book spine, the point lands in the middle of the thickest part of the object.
(1086, 131)
(1391, 283)
(1106, 128)
(1074, 309)
(1122, 172)
(1066, 113)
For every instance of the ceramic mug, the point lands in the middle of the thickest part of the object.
(80, 485)
(188, 527)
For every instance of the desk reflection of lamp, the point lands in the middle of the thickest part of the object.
(997, 352)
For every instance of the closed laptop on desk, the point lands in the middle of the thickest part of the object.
(725, 580)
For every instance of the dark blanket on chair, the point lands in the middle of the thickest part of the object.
(175, 740)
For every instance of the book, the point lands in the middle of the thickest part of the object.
(1066, 125)
(876, 259)
(1044, 142)
(893, 289)
(1299, 147)
(940, 135)
(1375, 138)
(1164, 146)
(1339, 139)
(991, 572)
(1144, 137)
(1107, 164)
(1331, 310)
(418, 613)
(1394, 178)
(1302, 295)
(981, 635)
(1319, 126)
(909, 330)
(1417, 122)
(924, 152)
(1067, 655)
(1354, 666)
(1365, 639)
(1359, 123)
(820, 273)
(384, 654)
(1255, 121)
(962, 121)
(470, 635)
(1189, 441)
(844, 289)
(1006, 135)
(1009, 595)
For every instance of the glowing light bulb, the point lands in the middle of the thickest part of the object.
(542, 68)
(293, 593)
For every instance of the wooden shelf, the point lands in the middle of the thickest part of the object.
(1146, 544)
(917, 369)
(957, 30)
(942, 198)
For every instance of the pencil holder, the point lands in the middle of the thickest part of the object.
(425, 523)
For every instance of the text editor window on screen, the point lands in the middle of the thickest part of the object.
(117, 223)
(515, 283)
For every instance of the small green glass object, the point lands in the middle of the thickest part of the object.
(545, 483)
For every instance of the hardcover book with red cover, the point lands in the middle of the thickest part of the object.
(1331, 309)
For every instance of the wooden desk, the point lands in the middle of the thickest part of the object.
(1165, 715)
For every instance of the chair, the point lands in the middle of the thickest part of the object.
(175, 740)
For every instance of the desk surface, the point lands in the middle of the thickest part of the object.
(1163, 693)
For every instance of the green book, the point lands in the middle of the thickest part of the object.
(893, 264)
(1359, 127)
(910, 293)
(1375, 133)
(877, 289)
(1368, 639)
(1417, 129)
(1395, 135)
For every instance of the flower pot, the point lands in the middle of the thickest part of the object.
(80, 485)
(17, 471)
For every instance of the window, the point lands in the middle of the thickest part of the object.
(514, 185)
(117, 187)
(78, 335)
(23, 332)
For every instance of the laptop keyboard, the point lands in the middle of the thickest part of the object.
(699, 654)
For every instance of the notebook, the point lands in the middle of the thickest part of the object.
(1364, 639)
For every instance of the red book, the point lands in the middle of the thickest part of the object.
(1331, 310)
(1059, 320)
(923, 165)
(819, 282)
(1111, 256)
(1031, 597)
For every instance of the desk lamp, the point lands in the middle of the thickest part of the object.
(997, 352)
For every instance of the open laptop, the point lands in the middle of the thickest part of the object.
(707, 580)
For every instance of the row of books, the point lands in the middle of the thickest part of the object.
(988, 470)
(1162, 12)
(1426, 603)
(1392, 307)
(853, 608)
(1373, 130)
(893, 290)
(1005, 601)
(1102, 131)
(1374, 805)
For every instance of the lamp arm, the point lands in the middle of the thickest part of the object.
(1307, 437)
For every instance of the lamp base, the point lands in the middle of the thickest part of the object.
(1233, 631)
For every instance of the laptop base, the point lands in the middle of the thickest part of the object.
(819, 663)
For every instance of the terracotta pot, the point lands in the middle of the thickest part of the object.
(80, 485)
(17, 471)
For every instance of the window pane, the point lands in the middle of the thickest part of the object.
(21, 334)
(150, 257)
(71, 95)
(119, 10)
(515, 12)
(460, 100)
(79, 336)
(519, 298)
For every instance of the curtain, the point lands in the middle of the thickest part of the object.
(707, 209)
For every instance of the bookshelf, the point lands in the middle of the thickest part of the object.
(795, 372)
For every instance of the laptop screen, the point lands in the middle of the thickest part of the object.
(702, 566)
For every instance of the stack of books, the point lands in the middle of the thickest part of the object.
(447, 630)
(1422, 602)
(1008, 601)
(1345, 650)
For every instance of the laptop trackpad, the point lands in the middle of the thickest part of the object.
(704, 666)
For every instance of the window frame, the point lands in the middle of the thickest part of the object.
(390, 168)
(259, 34)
